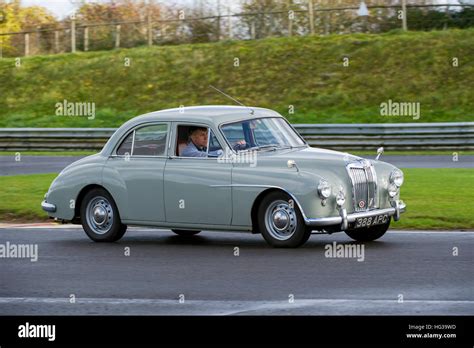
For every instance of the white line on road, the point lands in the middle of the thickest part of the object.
(121, 301)
(25, 305)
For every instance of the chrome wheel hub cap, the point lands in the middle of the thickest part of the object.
(280, 220)
(99, 215)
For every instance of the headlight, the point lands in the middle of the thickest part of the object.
(396, 177)
(340, 198)
(392, 190)
(324, 189)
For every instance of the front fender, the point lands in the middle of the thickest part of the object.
(65, 189)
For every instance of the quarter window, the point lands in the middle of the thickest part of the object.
(125, 149)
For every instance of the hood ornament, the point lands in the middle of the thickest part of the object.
(379, 153)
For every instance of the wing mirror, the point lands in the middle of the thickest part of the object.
(292, 164)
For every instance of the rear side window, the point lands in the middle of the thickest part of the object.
(145, 141)
(150, 140)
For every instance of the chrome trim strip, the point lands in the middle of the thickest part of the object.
(48, 206)
(133, 142)
(344, 222)
(137, 156)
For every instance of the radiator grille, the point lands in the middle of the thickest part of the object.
(364, 186)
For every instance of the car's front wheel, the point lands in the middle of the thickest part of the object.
(281, 222)
(185, 233)
(100, 217)
(368, 234)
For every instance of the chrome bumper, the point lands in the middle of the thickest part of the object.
(49, 207)
(344, 219)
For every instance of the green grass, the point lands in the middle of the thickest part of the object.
(436, 198)
(21, 196)
(48, 153)
(305, 72)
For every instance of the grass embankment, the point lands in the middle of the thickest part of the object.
(436, 198)
(305, 72)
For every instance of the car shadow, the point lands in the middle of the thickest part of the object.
(220, 240)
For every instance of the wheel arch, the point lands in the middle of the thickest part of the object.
(258, 200)
(80, 197)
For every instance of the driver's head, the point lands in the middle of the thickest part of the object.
(198, 135)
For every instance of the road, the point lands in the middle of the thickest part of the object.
(410, 273)
(54, 164)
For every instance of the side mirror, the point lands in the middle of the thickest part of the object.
(379, 153)
(292, 164)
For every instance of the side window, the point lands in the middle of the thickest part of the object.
(233, 132)
(150, 140)
(197, 141)
(126, 147)
(214, 143)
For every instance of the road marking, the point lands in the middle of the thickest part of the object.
(25, 305)
(120, 301)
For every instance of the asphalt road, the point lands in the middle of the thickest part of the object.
(54, 164)
(418, 266)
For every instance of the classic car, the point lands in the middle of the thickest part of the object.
(254, 173)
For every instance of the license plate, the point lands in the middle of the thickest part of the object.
(371, 221)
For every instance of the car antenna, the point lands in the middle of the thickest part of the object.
(231, 98)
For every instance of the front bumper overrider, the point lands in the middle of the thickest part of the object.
(49, 207)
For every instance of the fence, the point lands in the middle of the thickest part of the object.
(403, 136)
(73, 34)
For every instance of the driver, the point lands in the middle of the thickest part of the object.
(197, 144)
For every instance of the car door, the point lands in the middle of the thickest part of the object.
(197, 189)
(139, 163)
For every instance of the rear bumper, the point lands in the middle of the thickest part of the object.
(345, 219)
(49, 207)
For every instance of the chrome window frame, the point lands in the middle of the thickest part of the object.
(175, 126)
(257, 118)
(132, 130)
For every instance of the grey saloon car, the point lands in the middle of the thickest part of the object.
(224, 168)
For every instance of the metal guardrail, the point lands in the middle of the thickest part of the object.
(399, 136)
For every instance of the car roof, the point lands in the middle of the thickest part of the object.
(214, 114)
(207, 114)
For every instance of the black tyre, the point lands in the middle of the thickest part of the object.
(100, 217)
(185, 233)
(281, 222)
(368, 234)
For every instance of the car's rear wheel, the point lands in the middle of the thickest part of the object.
(368, 234)
(185, 233)
(281, 222)
(100, 217)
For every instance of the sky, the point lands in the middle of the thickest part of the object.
(62, 8)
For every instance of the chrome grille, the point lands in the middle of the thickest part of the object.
(364, 185)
